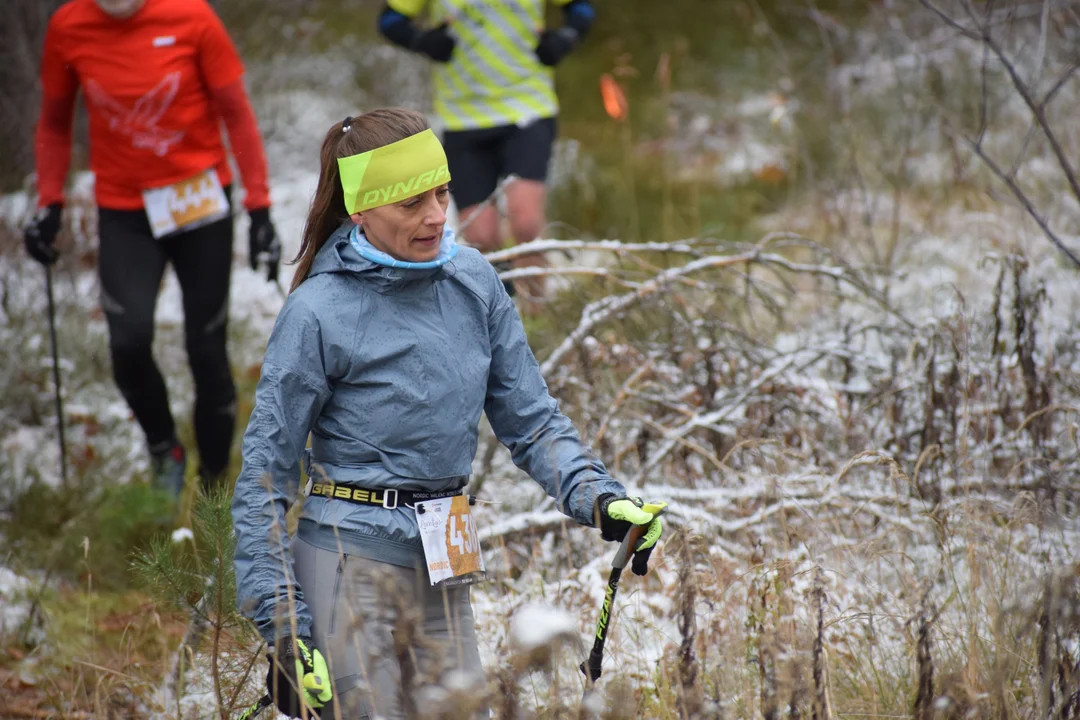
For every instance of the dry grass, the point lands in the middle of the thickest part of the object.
(873, 473)
(871, 517)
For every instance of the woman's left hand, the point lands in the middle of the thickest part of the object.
(618, 515)
(298, 676)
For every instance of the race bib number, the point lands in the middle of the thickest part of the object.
(451, 543)
(186, 204)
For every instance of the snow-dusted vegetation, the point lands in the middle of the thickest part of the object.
(865, 416)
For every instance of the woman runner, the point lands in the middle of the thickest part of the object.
(158, 78)
(392, 343)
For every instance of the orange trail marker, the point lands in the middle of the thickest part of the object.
(615, 104)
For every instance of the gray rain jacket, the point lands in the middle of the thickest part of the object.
(389, 369)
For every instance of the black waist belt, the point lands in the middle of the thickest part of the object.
(388, 498)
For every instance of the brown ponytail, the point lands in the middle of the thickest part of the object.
(365, 132)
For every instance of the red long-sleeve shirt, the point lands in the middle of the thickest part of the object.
(156, 85)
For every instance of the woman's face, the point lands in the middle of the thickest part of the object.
(409, 230)
(120, 9)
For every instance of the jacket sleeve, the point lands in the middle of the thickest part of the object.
(219, 62)
(52, 139)
(233, 106)
(396, 24)
(288, 399)
(542, 441)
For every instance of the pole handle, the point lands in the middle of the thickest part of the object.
(634, 535)
(626, 548)
(252, 712)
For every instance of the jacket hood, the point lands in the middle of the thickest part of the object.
(348, 250)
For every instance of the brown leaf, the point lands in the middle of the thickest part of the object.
(770, 174)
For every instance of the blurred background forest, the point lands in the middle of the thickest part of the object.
(814, 282)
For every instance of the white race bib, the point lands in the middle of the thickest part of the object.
(186, 204)
(451, 543)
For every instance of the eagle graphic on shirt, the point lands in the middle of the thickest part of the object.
(140, 122)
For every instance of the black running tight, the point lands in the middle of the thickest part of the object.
(132, 264)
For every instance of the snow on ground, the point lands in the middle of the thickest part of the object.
(15, 592)
(878, 548)
(199, 699)
(944, 274)
(31, 452)
(535, 625)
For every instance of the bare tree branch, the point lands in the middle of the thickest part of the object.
(1040, 116)
(1047, 99)
(951, 21)
(525, 272)
(597, 312)
(673, 437)
(1061, 81)
(1040, 51)
(985, 36)
(616, 246)
(1023, 149)
(984, 98)
(1022, 198)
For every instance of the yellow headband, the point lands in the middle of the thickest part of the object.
(393, 172)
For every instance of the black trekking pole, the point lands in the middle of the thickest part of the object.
(56, 373)
(252, 712)
(591, 667)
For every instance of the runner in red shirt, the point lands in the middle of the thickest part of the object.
(159, 77)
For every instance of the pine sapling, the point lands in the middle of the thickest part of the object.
(197, 577)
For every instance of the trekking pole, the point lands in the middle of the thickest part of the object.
(591, 666)
(56, 373)
(252, 712)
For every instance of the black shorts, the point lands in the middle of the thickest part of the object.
(478, 158)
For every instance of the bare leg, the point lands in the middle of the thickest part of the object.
(483, 227)
(525, 207)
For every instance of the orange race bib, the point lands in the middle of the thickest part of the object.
(186, 204)
(451, 543)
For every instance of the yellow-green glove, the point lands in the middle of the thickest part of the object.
(618, 515)
(299, 676)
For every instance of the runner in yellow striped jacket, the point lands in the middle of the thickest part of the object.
(495, 96)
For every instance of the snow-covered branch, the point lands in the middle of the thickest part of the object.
(689, 247)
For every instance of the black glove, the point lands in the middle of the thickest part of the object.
(263, 244)
(298, 674)
(39, 235)
(555, 45)
(436, 43)
(619, 514)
